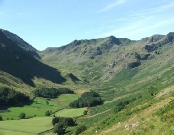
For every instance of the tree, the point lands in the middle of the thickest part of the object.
(55, 120)
(80, 130)
(48, 113)
(69, 122)
(59, 128)
(0, 118)
(51, 92)
(22, 116)
(10, 97)
(85, 112)
(87, 99)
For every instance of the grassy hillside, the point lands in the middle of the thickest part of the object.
(119, 69)
(99, 60)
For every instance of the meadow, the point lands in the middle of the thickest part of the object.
(40, 106)
(35, 121)
(70, 112)
(26, 126)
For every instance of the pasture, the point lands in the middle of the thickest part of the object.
(70, 112)
(40, 106)
(26, 126)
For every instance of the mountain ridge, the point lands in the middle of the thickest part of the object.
(114, 54)
(22, 64)
(23, 44)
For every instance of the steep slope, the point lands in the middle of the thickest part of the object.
(19, 63)
(20, 42)
(85, 56)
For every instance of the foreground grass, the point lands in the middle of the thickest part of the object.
(138, 120)
(30, 126)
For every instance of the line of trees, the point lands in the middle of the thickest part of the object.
(51, 92)
(10, 97)
(87, 99)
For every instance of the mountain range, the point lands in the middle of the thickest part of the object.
(87, 62)
(135, 75)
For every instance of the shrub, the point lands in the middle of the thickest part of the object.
(0, 118)
(80, 130)
(48, 113)
(22, 116)
(59, 129)
(55, 120)
(69, 122)
(85, 112)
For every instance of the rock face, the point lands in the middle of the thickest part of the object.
(169, 38)
(130, 126)
(152, 39)
(112, 64)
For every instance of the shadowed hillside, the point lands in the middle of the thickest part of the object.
(21, 64)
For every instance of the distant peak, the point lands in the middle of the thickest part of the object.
(152, 39)
(112, 36)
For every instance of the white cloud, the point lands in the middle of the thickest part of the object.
(140, 29)
(141, 23)
(112, 5)
(162, 8)
(151, 11)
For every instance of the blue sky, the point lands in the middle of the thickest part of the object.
(53, 23)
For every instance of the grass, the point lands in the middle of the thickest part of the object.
(149, 123)
(71, 112)
(32, 126)
(8, 132)
(40, 106)
(65, 99)
(37, 110)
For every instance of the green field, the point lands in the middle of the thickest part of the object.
(40, 106)
(37, 110)
(65, 99)
(71, 112)
(8, 132)
(27, 126)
